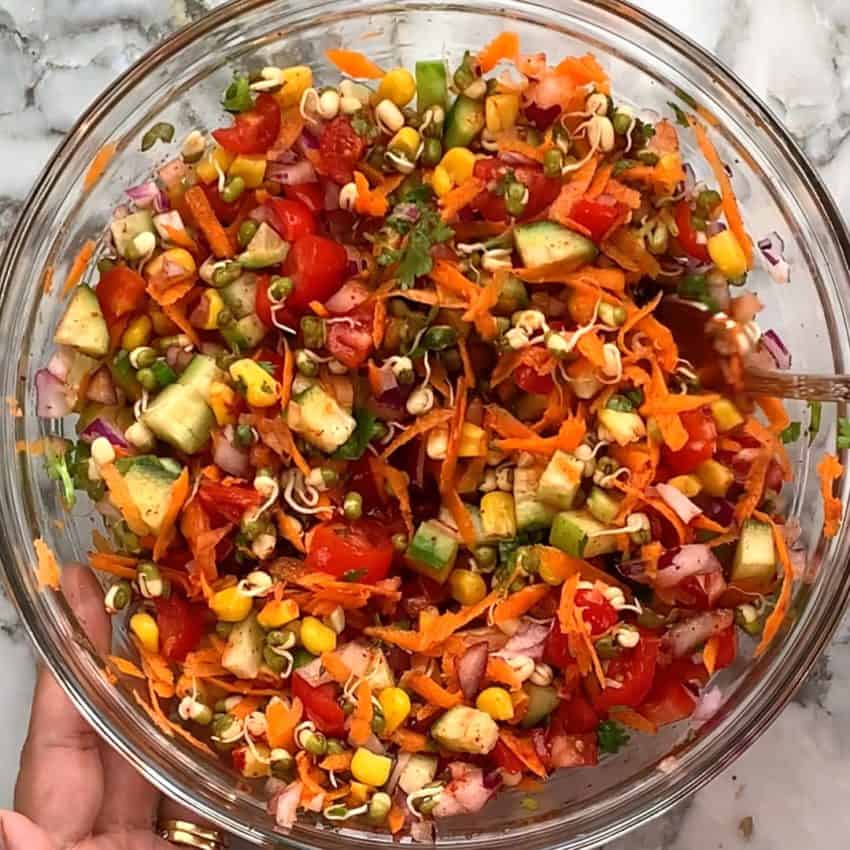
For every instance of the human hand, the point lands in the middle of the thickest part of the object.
(73, 791)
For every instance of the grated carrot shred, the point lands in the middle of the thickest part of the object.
(504, 46)
(432, 692)
(709, 654)
(631, 718)
(829, 471)
(519, 603)
(98, 165)
(125, 667)
(288, 376)
(460, 197)
(361, 719)
(424, 424)
(119, 495)
(177, 498)
(783, 602)
(47, 569)
(78, 267)
(281, 720)
(352, 63)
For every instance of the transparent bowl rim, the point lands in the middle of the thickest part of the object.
(733, 734)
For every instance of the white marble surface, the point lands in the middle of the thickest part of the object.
(794, 783)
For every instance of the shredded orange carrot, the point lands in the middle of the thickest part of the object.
(78, 267)
(400, 485)
(628, 250)
(282, 720)
(319, 309)
(447, 274)
(396, 819)
(409, 741)
(199, 206)
(504, 46)
(125, 667)
(460, 197)
(449, 467)
(519, 603)
(583, 70)
(337, 761)
(460, 515)
(709, 654)
(291, 126)
(573, 191)
(245, 706)
(506, 424)
(177, 313)
(379, 322)
(431, 692)
(119, 495)
(629, 717)
(335, 667)
(288, 375)
(277, 436)
(291, 530)
(568, 438)
(371, 202)
(783, 603)
(306, 774)
(354, 64)
(423, 425)
(361, 719)
(47, 280)
(830, 470)
(98, 165)
(182, 239)
(753, 487)
(774, 410)
(468, 371)
(571, 622)
(47, 569)
(524, 750)
(177, 498)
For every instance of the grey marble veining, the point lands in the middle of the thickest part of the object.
(790, 789)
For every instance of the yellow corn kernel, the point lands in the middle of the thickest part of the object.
(467, 587)
(716, 478)
(206, 168)
(689, 485)
(145, 628)
(441, 182)
(398, 86)
(296, 80)
(496, 702)
(727, 254)
(173, 256)
(261, 389)
(223, 401)
(501, 111)
(726, 415)
(252, 169)
(458, 163)
(216, 304)
(317, 637)
(278, 613)
(406, 142)
(138, 333)
(359, 793)
(395, 703)
(369, 768)
(231, 606)
(473, 441)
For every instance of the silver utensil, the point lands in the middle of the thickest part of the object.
(796, 385)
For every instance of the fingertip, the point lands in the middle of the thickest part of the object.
(85, 598)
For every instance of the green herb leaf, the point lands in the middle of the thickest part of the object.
(791, 434)
(353, 575)
(686, 98)
(56, 464)
(266, 366)
(367, 428)
(843, 433)
(237, 96)
(611, 736)
(815, 414)
(681, 117)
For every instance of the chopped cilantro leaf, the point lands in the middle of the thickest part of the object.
(353, 575)
(681, 117)
(611, 736)
(237, 96)
(843, 433)
(367, 428)
(791, 434)
(266, 366)
(686, 98)
(56, 464)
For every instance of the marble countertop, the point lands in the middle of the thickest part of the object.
(790, 789)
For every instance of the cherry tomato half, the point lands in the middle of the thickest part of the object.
(687, 234)
(253, 131)
(701, 445)
(227, 502)
(670, 699)
(361, 550)
(597, 217)
(634, 671)
(293, 218)
(120, 291)
(542, 190)
(529, 381)
(321, 706)
(181, 626)
(340, 148)
(317, 267)
(351, 342)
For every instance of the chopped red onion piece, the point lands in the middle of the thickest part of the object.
(715, 227)
(514, 158)
(231, 459)
(307, 141)
(470, 669)
(101, 387)
(772, 249)
(144, 195)
(465, 794)
(709, 704)
(529, 640)
(690, 178)
(684, 637)
(284, 805)
(685, 509)
(351, 295)
(295, 174)
(102, 427)
(776, 349)
(691, 560)
(51, 396)
(60, 363)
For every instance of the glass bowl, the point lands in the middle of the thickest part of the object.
(181, 82)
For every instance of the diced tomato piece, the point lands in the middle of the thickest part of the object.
(504, 758)
(227, 502)
(573, 750)
(556, 650)
(320, 705)
(670, 699)
(267, 355)
(633, 671)
(309, 194)
(120, 291)
(596, 216)
(542, 190)
(253, 131)
(317, 267)
(351, 342)
(576, 716)
(687, 234)
(181, 626)
(701, 445)
(727, 649)
(361, 550)
(292, 219)
(340, 148)
(529, 381)
(597, 612)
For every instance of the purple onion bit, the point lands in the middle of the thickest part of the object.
(774, 346)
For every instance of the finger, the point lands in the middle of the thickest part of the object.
(130, 802)
(60, 785)
(20, 833)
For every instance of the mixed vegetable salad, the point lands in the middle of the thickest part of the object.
(413, 409)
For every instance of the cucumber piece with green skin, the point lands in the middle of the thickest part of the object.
(604, 506)
(126, 229)
(532, 514)
(150, 482)
(433, 551)
(319, 419)
(265, 249)
(245, 334)
(466, 730)
(623, 426)
(463, 123)
(542, 242)
(124, 375)
(243, 655)
(498, 517)
(755, 557)
(200, 374)
(180, 416)
(561, 481)
(574, 532)
(432, 87)
(542, 701)
(241, 296)
(83, 326)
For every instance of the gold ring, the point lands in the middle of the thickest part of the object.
(186, 834)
